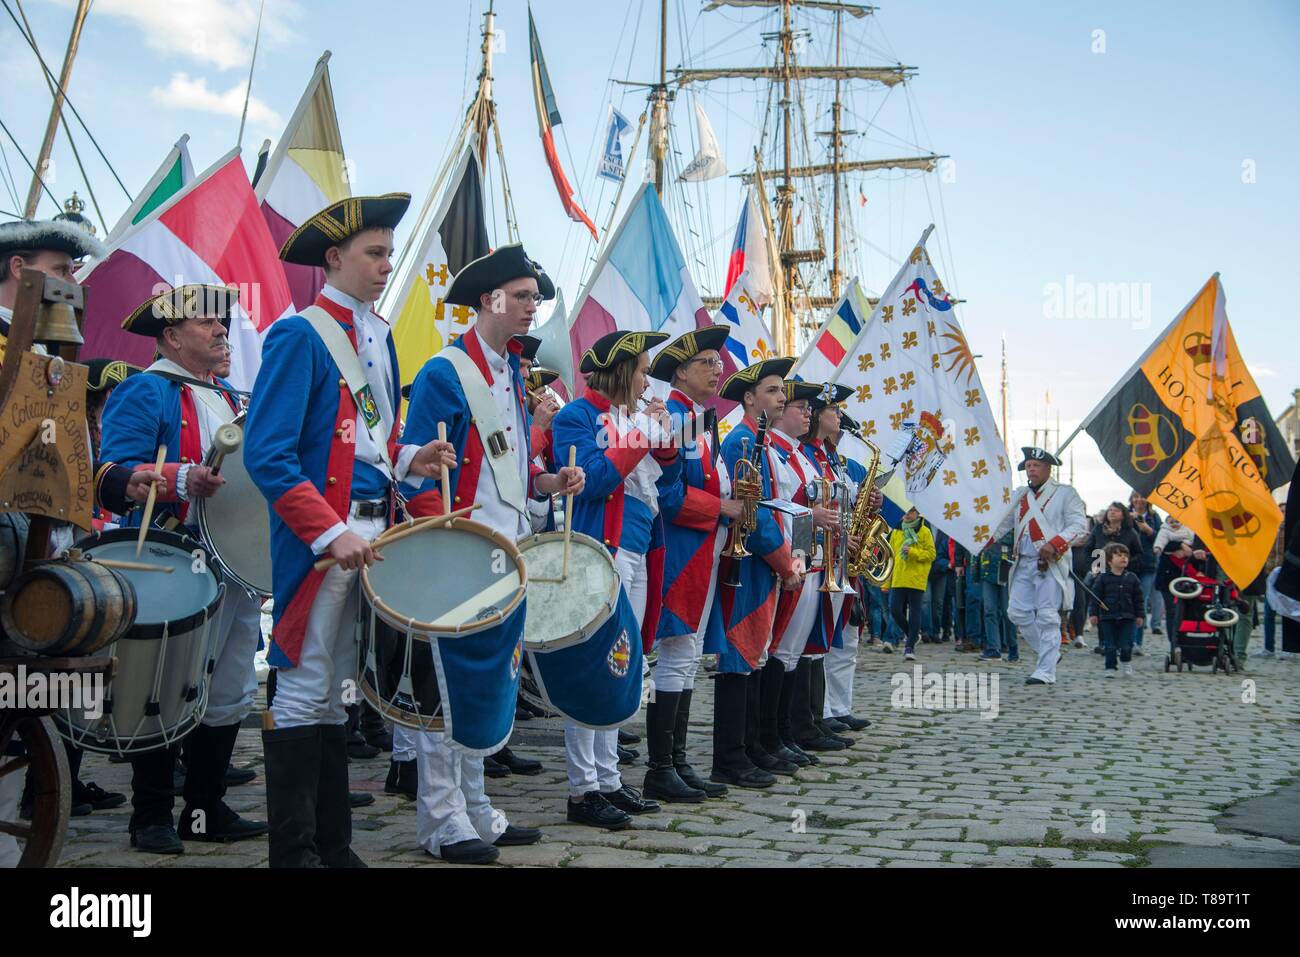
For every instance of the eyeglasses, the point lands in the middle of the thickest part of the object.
(523, 298)
(709, 363)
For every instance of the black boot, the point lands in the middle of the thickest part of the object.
(357, 746)
(817, 699)
(401, 779)
(796, 754)
(731, 765)
(684, 771)
(769, 716)
(753, 724)
(151, 825)
(803, 724)
(374, 729)
(293, 761)
(206, 816)
(662, 781)
(517, 765)
(333, 807)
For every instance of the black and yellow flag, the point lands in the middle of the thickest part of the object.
(1188, 428)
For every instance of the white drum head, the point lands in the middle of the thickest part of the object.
(236, 524)
(566, 613)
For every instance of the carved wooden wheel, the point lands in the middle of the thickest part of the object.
(41, 838)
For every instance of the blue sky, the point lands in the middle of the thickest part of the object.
(1123, 166)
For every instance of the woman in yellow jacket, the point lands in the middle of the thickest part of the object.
(913, 546)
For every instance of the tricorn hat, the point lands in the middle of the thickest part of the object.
(58, 234)
(489, 272)
(1032, 454)
(830, 393)
(306, 245)
(190, 301)
(614, 347)
(744, 379)
(686, 347)
(540, 376)
(796, 389)
(105, 374)
(530, 346)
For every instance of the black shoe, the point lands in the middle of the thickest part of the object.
(627, 737)
(595, 811)
(518, 836)
(92, 794)
(629, 799)
(852, 723)
(755, 778)
(157, 839)
(824, 743)
(691, 778)
(237, 777)
(1096, 650)
(359, 749)
(374, 729)
(494, 769)
(627, 755)
(516, 764)
(666, 785)
(801, 757)
(401, 779)
(769, 762)
(1035, 681)
(220, 825)
(522, 713)
(834, 726)
(472, 851)
(360, 799)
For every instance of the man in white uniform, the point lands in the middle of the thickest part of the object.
(1046, 516)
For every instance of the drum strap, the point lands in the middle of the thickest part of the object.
(345, 357)
(210, 396)
(483, 409)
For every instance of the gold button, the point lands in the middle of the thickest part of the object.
(343, 383)
(184, 460)
(331, 481)
(471, 421)
(457, 499)
(607, 541)
(465, 460)
(707, 477)
(338, 432)
(184, 424)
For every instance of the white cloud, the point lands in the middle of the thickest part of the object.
(1263, 372)
(182, 93)
(219, 32)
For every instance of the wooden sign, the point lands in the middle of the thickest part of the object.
(45, 460)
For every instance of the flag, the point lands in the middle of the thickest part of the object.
(750, 340)
(176, 170)
(918, 395)
(640, 282)
(456, 235)
(749, 251)
(611, 160)
(210, 232)
(306, 173)
(1187, 428)
(548, 117)
(554, 352)
(862, 197)
(836, 338)
(708, 162)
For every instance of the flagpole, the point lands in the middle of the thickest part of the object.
(1136, 365)
(248, 91)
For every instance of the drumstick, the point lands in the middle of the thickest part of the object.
(446, 477)
(133, 566)
(568, 517)
(148, 504)
(410, 528)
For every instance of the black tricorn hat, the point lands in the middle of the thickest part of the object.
(796, 389)
(107, 374)
(829, 393)
(686, 347)
(488, 272)
(306, 245)
(1032, 454)
(614, 347)
(531, 344)
(540, 376)
(190, 301)
(744, 379)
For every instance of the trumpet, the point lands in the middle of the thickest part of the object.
(822, 491)
(747, 487)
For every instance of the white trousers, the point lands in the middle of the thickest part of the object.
(679, 656)
(841, 666)
(233, 681)
(452, 804)
(11, 791)
(404, 743)
(313, 692)
(1034, 607)
(795, 639)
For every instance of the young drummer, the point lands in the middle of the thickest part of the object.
(321, 445)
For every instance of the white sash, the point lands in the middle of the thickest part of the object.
(209, 397)
(345, 357)
(1034, 512)
(483, 409)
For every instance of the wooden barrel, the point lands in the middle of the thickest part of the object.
(68, 608)
(13, 543)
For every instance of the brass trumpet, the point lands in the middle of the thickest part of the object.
(747, 487)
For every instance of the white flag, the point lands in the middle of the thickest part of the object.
(912, 372)
(708, 162)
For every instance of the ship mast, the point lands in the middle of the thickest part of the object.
(835, 172)
(52, 126)
(659, 105)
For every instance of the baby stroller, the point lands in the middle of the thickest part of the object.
(1205, 616)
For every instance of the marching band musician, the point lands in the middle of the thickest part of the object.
(694, 509)
(181, 404)
(784, 695)
(627, 455)
(321, 445)
(842, 660)
(748, 610)
(475, 388)
(1046, 516)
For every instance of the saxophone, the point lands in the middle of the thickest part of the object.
(873, 559)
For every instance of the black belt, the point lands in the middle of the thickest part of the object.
(372, 509)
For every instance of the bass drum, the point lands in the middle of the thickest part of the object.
(236, 524)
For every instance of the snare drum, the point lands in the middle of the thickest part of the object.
(236, 524)
(159, 690)
(441, 632)
(568, 612)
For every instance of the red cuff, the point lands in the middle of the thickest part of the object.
(534, 470)
(424, 504)
(306, 512)
(699, 510)
(169, 471)
(1060, 544)
(780, 560)
(631, 449)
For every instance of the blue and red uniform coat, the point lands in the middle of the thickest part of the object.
(147, 411)
(599, 510)
(787, 600)
(828, 629)
(299, 447)
(691, 509)
(748, 612)
(437, 396)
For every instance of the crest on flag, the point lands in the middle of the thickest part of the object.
(611, 159)
(924, 453)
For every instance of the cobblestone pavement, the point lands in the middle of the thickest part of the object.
(1093, 772)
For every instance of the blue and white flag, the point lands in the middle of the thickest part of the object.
(611, 160)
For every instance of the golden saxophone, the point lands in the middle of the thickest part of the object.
(873, 559)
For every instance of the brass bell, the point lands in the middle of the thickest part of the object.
(57, 323)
